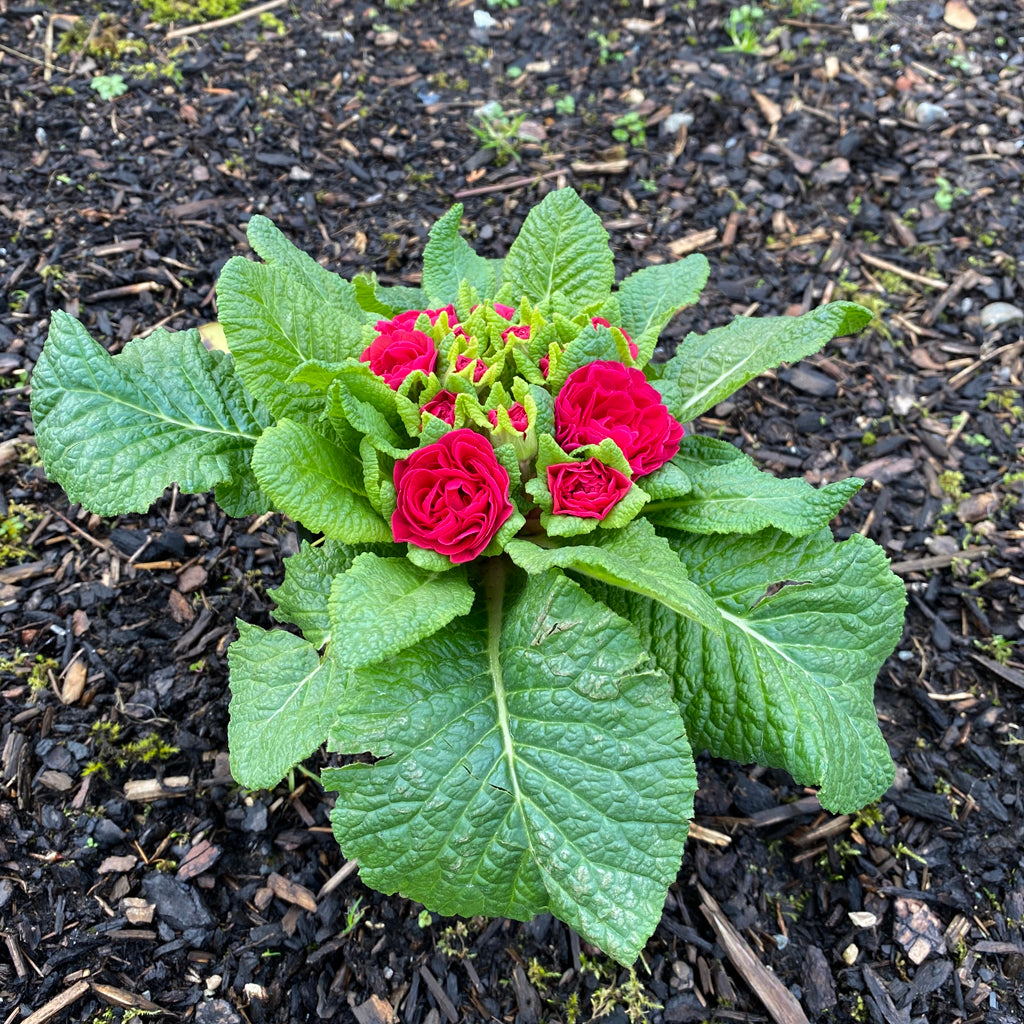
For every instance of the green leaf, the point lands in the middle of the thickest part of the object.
(650, 297)
(381, 606)
(241, 496)
(808, 624)
(448, 260)
(317, 483)
(589, 346)
(299, 267)
(634, 558)
(114, 432)
(562, 247)
(283, 698)
(729, 494)
(384, 302)
(709, 367)
(531, 762)
(273, 324)
(302, 596)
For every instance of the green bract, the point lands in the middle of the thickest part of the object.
(531, 670)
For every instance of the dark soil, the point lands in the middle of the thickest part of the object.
(872, 157)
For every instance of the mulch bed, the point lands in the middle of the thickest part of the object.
(874, 153)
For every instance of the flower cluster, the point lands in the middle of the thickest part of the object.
(521, 424)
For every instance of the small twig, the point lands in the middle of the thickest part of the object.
(875, 261)
(339, 876)
(937, 561)
(190, 30)
(58, 1003)
(780, 1003)
(509, 184)
(35, 60)
(968, 371)
(124, 291)
(709, 835)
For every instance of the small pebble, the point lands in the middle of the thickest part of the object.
(483, 20)
(931, 113)
(998, 314)
(672, 123)
(488, 110)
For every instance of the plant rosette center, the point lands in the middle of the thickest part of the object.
(535, 587)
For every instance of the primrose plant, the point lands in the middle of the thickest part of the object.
(536, 585)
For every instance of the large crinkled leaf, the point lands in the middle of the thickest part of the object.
(531, 763)
(380, 606)
(448, 260)
(709, 367)
(634, 558)
(562, 247)
(274, 323)
(729, 494)
(316, 482)
(283, 697)
(650, 297)
(301, 598)
(808, 624)
(115, 431)
(271, 244)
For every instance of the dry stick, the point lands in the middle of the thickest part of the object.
(777, 999)
(58, 1003)
(938, 561)
(510, 183)
(875, 261)
(35, 60)
(190, 30)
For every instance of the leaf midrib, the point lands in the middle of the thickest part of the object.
(159, 416)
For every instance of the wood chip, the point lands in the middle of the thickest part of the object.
(124, 999)
(375, 1011)
(113, 865)
(200, 857)
(74, 682)
(194, 577)
(60, 781)
(917, 929)
(291, 892)
(692, 242)
(959, 15)
(180, 608)
(138, 911)
(770, 110)
(780, 1003)
(147, 790)
(1010, 675)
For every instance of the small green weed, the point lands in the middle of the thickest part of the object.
(167, 11)
(113, 750)
(605, 44)
(946, 194)
(498, 131)
(565, 105)
(630, 128)
(952, 483)
(997, 647)
(742, 28)
(13, 528)
(109, 87)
